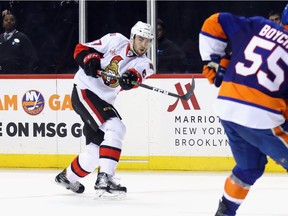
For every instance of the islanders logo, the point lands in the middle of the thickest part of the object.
(33, 102)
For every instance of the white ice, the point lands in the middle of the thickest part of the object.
(34, 193)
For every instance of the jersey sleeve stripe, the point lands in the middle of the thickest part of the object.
(79, 48)
(209, 45)
(212, 27)
(212, 38)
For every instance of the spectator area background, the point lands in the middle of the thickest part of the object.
(53, 26)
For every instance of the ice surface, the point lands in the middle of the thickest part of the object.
(33, 192)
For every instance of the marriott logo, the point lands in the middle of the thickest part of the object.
(185, 104)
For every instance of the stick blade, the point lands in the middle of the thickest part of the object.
(190, 91)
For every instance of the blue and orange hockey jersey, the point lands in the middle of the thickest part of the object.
(254, 90)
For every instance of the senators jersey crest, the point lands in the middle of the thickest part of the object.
(112, 68)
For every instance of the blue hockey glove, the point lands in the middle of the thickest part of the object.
(215, 70)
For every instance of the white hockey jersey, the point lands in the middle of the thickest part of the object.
(117, 59)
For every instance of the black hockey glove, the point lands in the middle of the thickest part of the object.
(92, 64)
(127, 79)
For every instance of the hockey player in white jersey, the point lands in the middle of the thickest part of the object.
(93, 97)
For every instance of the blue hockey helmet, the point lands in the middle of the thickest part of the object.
(284, 18)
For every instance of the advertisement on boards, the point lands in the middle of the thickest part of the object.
(174, 127)
(38, 118)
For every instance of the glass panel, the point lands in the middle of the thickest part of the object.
(52, 27)
(183, 21)
(113, 16)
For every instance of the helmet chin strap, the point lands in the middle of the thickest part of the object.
(133, 50)
(132, 45)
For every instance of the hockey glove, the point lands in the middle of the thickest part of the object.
(127, 79)
(214, 71)
(92, 64)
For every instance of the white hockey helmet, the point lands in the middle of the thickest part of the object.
(142, 29)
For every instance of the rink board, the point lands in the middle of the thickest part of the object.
(39, 128)
(140, 163)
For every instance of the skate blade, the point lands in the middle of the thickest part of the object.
(68, 187)
(104, 195)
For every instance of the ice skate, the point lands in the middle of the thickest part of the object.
(221, 209)
(107, 188)
(76, 187)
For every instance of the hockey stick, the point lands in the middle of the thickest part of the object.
(186, 96)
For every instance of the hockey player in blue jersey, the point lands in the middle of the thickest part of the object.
(252, 98)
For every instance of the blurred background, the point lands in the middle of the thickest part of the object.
(55, 27)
